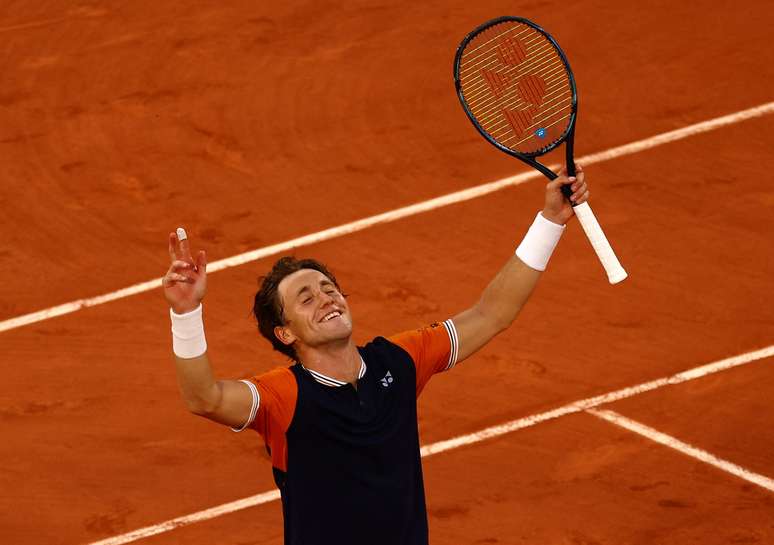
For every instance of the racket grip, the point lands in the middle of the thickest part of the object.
(615, 272)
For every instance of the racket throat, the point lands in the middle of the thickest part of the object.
(569, 154)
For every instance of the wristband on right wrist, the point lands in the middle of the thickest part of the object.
(188, 339)
(538, 244)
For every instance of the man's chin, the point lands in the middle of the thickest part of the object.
(342, 332)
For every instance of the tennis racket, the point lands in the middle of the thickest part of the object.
(516, 86)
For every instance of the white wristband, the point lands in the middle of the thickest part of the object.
(539, 243)
(188, 333)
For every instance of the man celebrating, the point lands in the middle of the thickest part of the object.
(341, 422)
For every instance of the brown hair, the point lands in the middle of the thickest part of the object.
(267, 307)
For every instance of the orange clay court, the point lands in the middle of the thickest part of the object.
(254, 123)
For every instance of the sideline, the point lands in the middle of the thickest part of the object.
(689, 450)
(587, 405)
(393, 215)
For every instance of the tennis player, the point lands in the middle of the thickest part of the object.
(340, 423)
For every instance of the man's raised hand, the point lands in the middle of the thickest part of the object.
(557, 209)
(186, 280)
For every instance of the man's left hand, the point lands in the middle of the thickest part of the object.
(557, 209)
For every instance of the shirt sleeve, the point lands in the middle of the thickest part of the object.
(274, 402)
(433, 349)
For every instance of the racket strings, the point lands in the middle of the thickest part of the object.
(502, 129)
(544, 62)
(538, 60)
(471, 50)
(549, 109)
(539, 51)
(527, 123)
(476, 62)
(517, 87)
(552, 84)
(532, 90)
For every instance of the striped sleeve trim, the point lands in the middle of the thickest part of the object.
(254, 408)
(453, 342)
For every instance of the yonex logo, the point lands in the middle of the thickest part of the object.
(387, 380)
(497, 82)
(511, 51)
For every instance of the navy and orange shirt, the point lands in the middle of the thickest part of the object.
(346, 459)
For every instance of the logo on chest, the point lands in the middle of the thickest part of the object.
(387, 380)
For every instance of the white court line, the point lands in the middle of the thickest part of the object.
(463, 440)
(685, 448)
(393, 215)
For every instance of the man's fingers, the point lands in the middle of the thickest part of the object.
(172, 241)
(557, 184)
(201, 262)
(185, 250)
(580, 198)
(179, 265)
(177, 277)
(172, 278)
(578, 187)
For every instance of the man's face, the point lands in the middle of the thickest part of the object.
(315, 311)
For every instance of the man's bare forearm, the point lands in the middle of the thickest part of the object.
(198, 387)
(507, 293)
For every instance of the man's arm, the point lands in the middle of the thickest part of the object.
(510, 289)
(227, 402)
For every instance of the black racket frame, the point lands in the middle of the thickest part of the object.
(568, 137)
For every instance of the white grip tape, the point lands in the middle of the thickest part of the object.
(613, 268)
(188, 339)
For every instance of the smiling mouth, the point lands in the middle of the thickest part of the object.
(331, 316)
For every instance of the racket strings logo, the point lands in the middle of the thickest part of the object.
(511, 51)
(510, 54)
(520, 120)
(498, 83)
(531, 89)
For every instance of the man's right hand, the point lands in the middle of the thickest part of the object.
(186, 280)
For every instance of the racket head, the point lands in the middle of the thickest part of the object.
(516, 87)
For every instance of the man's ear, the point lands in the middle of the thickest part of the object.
(284, 335)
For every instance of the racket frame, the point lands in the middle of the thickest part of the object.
(567, 137)
(615, 272)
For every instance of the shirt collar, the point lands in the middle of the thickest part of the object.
(328, 381)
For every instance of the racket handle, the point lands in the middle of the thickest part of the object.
(615, 272)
